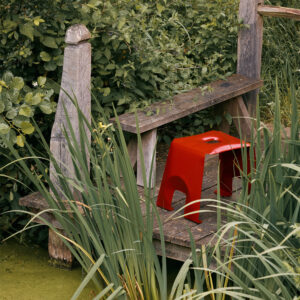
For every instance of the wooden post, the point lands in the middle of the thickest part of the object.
(132, 151)
(60, 255)
(278, 11)
(240, 117)
(76, 82)
(149, 153)
(250, 47)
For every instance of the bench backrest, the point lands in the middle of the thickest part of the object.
(187, 103)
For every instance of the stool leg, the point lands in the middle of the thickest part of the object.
(226, 173)
(194, 189)
(167, 188)
(165, 195)
(194, 193)
(231, 163)
(183, 172)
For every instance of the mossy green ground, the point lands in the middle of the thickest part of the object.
(25, 274)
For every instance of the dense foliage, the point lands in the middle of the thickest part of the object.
(18, 104)
(143, 51)
(280, 51)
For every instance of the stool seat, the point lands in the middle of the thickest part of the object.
(185, 166)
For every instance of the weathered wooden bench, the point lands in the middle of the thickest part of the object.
(229, 91)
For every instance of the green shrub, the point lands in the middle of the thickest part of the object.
(274, 207)
(18, 105)
(32, 36)
(280, 52)
(142, 50)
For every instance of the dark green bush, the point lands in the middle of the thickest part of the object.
(18, 104)
(142, 50)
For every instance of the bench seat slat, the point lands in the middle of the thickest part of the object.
(187, 103)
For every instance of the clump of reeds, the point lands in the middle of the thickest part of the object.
(257, 252)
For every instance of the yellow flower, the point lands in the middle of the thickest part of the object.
(102, 126)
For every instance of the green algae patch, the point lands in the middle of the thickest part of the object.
(26, 274)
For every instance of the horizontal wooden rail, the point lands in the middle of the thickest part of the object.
(161, 113)
(278, 11)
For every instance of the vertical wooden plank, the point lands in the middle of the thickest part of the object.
(76, 82)
(149, 152)
(132, 151)
(250, 47)
(60, 256)
(240, 117)
(221, 110)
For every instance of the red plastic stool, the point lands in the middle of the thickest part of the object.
(185, 165)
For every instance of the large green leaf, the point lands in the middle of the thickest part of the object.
(46, 107)
(7, 77)
(25, 110)
(12, 95)
(17, 83)
(28, 98)
(106, 91)
(59, 60)
(45, 56)
(49, 42)
(10, 136)
(121, 23)
(11, 113)
(107, 53)
(4, 128)
(50, 66)
(9, 25)
(27, 30)
(27, 127)
(48, 94)
(41, 80)
(37, 98)
(17, 121)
